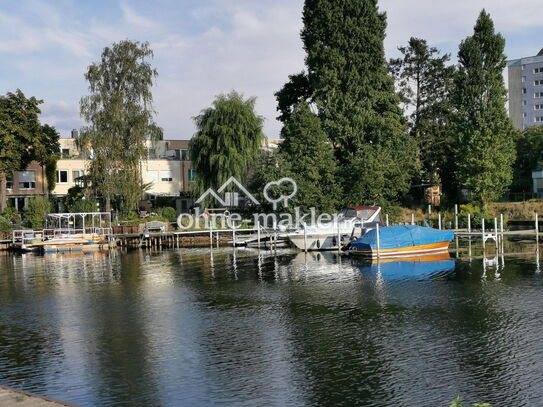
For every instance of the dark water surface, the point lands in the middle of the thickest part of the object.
(184, 328)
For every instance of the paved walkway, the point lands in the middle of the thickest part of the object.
(15, 398)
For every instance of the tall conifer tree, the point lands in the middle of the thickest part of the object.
(484, 135)
(424, 79)
(355, 97)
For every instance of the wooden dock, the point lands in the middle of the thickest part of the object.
(15, 398)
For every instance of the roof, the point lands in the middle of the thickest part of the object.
(363, 208)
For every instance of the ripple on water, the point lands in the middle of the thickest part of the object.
(202, 327)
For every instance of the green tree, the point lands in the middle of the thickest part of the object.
(484, 136)
(20, 136)
(311, 161)
(119, 114)
(355, 98)
(227, 142)
(37, 209)
(48, 154)
(529, 158)
(296, 90)
(424, 79)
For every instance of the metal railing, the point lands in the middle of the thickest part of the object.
(26, 236)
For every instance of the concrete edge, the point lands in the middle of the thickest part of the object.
(32, 395)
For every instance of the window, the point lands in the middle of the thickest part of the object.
(76, 174)
(538, 107)
(27, 179)
(538, 82)
(538, 119)
(166, 176)
(62, 177)
(65, 152)
(538, 70)
(184, 154)
(538, 95)
(523, 79)
(524, 114)
(9, 181)
(192, 175)
(524, 102)
(524, 90)
(152, 176)
(151, 153)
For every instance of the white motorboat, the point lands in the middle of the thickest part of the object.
(351, 223)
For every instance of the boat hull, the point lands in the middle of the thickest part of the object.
(418, 250)
(316, 241)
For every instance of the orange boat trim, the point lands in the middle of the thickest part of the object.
(432, 247)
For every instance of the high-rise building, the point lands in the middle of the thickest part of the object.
(526, 91)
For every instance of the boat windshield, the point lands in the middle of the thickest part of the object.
(362, 214)
(366, 213)
(348, 213)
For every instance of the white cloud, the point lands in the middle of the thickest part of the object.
(134, 18)
(212, 47)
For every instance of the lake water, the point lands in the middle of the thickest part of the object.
(238, 328)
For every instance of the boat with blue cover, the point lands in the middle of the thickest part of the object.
(402, 241)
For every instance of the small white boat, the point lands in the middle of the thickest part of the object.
(351, 223)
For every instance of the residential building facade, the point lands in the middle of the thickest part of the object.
(168, 170)
(526, 91)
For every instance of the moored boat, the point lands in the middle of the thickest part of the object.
(402, 241)
(351, 223)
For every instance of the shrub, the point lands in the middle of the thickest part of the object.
(36, 211)
(5, 225)
(167, 213)
(83, 205)
(11, 215)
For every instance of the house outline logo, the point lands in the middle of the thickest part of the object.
(282, 199)
(225, 185)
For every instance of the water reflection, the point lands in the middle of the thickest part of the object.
(249, 327)
(422, 267)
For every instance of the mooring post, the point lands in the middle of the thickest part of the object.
(233, 235)
(305, 238)
(412, 218)
(378, 240)
(429, 210)
(501, 226)
(210, 233)
(496, 230)
(439, 220)
(386, 219)
(469, 223)
(338, 238)
(483, 230)
(455, 216)
(536, 226)
(258, 233)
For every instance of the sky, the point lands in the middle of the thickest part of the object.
(203, 48)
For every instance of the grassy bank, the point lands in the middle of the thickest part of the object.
(510, 210)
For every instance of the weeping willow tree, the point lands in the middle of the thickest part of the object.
(227, 142)
(120, 116)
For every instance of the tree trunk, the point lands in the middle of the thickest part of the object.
(3, 192)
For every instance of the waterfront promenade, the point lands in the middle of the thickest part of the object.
(15, 398)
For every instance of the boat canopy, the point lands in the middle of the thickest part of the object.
(395, 237)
